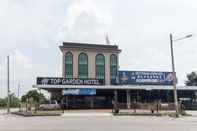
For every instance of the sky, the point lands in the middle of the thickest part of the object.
(32, 30)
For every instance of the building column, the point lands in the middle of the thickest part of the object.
(92, 102)
(107, 69)
(75, 64)
(128, 99)
(63, 64)
(115, 99)
(66, 102)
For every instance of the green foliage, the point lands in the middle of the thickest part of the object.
(14, 101)
(33, 95)
(23, 98)
(191, 79)
(3, 102)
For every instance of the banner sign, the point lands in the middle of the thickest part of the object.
(67, 81)
(82, 91)
(145, 78)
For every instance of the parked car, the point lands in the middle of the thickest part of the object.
(51, 105)
(188, 103)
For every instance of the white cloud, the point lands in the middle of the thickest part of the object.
(87, 8)
(23, 70)
(85, 21)
(22, 60)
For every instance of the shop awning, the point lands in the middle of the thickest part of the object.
(134, 87)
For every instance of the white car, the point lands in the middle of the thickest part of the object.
(52, 105)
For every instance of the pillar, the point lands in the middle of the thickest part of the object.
(128, 99)
(116, 101)
(92, 102)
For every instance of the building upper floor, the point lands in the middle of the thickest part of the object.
(81, 60)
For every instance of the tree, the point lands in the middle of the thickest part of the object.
(3, 102)
(14, 101)
(191, 79)
(24, 98)
(34, 95)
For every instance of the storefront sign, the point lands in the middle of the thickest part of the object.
(82, 91)
(145, 78)
(67, 81)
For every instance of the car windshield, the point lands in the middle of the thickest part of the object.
(53, 102)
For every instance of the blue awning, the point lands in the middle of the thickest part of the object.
(81, 91)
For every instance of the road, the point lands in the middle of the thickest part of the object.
(97, 123)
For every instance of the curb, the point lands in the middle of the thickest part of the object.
(29, 114)
(86, 114)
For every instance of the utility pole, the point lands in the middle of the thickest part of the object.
(174, 77)
(19, 90)
(173, 70)
(8, 84)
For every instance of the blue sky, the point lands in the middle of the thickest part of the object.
(31, 31)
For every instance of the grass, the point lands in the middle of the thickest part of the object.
(136, 114)
(171, 114)
(38, 113)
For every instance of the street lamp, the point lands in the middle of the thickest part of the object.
(173, 71)
(8, 84)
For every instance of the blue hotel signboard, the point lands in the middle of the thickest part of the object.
(145, 78)
(81, 91)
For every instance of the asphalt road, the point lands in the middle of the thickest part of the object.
(97, 123)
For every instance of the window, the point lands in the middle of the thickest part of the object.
(83, 65)
(113, 66)
(69, 65)
(100, 66)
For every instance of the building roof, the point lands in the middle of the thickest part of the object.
(73, 45)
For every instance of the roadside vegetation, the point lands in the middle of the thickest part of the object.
(14, 101)
(191, 79)
(33, 96)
